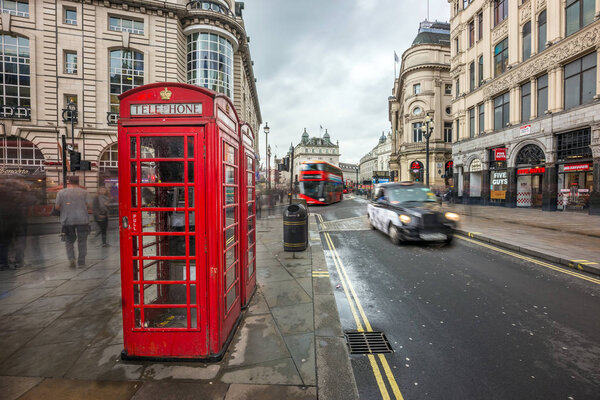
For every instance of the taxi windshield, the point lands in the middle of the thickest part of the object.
(399, 195)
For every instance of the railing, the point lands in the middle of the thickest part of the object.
(209, 6)
(112, 118)
(15, 112)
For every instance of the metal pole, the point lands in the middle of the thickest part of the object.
(64, 160)
(291, 173)
(427, 156)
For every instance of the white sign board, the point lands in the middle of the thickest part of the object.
(166, 109)
(525, 130)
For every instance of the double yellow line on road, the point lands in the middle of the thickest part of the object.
(361, 319)
(533, 260)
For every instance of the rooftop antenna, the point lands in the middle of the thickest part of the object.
(427, 10)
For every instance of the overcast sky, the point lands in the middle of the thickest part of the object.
(330, 63)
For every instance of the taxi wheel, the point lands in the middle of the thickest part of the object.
(395, 235)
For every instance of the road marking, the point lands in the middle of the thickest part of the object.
(346, 283)
(533, 260)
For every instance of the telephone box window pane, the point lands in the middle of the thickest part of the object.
(251, 253)
(136, 270)
(250, 192)
(229, 153)
(252, 264)
(192, 221)
(249, 163)
(250, 179)
(133, 147)
(192, 271)
(164, 270)
(193, 318)
(136, 294)
(165, 318)
(231, 297)
(175, 246)
(229, 194)
(250, 209)
(169, 172)
(230, 213)
(229, 236)
(190, 146)
(133, 172)
(191, 197)
(230, 256)
(163, 221)
(161, 293)
(229, 173)
(231, 276)
(134, 202)
(162, 146)
(137, 317)
(134, 246)
(250, 224)
(251, 239)
(191, 172)
(193, 294)
(150, 197)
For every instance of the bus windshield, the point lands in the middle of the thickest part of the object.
(312, 167)
(311, 188)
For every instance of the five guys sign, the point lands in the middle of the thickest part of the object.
(500, 154)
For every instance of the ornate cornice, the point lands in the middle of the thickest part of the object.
(500, 31)
(551, 58)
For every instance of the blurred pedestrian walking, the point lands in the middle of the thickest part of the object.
(8, 218)
(24, 201)
(100, 207)
(73, 204)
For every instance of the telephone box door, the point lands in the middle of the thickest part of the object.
(162, 243)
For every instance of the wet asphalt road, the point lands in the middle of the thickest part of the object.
(466, 322)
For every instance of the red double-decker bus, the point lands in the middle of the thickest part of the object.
(321, 182)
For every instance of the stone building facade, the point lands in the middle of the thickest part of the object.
(423, 87)
(88, 52)
(315, 149)
(526, 91)
(350, 172)
(375, 164)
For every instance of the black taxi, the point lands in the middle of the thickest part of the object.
(410, 211)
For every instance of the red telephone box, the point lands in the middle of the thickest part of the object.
(248, 174)
(181, 222)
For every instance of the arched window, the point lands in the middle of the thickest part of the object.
(531, 155)
(15, 97)
(18, 152)
(126, 72)
(109, 158)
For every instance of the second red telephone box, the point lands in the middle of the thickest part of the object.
(181, 163)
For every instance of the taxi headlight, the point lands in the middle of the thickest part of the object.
(404, 218)
(452, 216)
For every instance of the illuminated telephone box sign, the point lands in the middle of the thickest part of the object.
(172, 109)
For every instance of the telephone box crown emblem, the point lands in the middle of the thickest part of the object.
(166, 94)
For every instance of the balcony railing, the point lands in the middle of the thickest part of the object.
(210, 6)
(15, 112)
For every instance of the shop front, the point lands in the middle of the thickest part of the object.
(416, 171)
(530, 163)
(575, 184)
(475, 174)
(498, 176)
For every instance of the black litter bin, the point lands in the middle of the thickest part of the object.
(295, 228)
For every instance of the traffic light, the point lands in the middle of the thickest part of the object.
(75, 159)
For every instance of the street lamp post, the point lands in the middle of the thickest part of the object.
(291, 172)
(268, 154)
(69, 114)
(427, 130)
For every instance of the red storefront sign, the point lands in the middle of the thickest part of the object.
(528, 171)
(576, 167)
(416, 165)
(500, 154)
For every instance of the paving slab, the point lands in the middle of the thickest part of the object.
(76, 287)
(19, 322)
(51, 303)
(327, 319)
(181, 391)
(258, 304)
(285, 294)
(17, 296)
(272, 273)
(49, 360)
(111, 332)
(65, 329)
(13, 340)
(181, 371)
(104, 364)
(13, 387)
(294, 319)
(333, 366)
(276, 372)
(69, 389)
(270, 392)
(302, 348)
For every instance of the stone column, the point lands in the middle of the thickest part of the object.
(550, 188)
(466, 187)
(556, 89)
(534, 99)
(511, 192)
(515, 105)
(489, 115)
(485, 186)
(597, 63)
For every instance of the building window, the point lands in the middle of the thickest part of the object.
(126, 72)
(18, 152)
(481, 118)
(526, 102)
(15, 87)
(417, 133)
(542, 31)
(501, 110)
(542, 95)
(480, 25)
(126, 25)
(456, 45)
(501, 57)
(457, 130)
(210, 62)
(526, 41)
(580, 13)
(574, 145)
(471, 33)
(70, 98)
(457, 88)
(472, 76)
(472, 122)
(448, 88)
(70, 16)
(580, 81)
(480, 72)
(448, 132)
(70, 62)
(18, 8)
(500, 11)
(417, 88)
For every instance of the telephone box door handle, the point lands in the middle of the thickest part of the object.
(125, 223)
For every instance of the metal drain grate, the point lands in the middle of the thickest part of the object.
(367, 342)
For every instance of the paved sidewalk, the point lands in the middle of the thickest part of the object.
(62, 332)
(565, 238)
